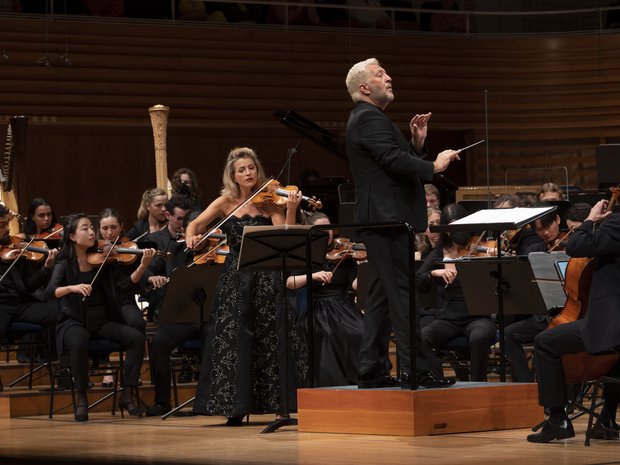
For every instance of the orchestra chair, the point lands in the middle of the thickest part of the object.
(12, 342)
(186, 354)
(97, 349)
(592, 370)
(455, 354)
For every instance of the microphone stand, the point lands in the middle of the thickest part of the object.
(292, 151)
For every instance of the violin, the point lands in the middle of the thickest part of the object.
(215, 255)
(53, 232)
(476, 247)
(342, 247)
(559, 244)
(276, 194)
(34, 250)
(125, 253)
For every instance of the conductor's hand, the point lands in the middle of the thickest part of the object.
(419, 128)
(444, 159)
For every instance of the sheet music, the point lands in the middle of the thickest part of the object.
(503, 215)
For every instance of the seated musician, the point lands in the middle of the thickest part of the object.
(427, 243)
(19, 284)
(41, 221)
(548, 192)
(598, 332)
(453, 319)
(171, 240)
(524, 331)
(151, 214)
(520, 241)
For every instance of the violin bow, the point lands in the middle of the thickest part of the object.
(55, 231)
(23, 251)
(102, 263)
(230, 215)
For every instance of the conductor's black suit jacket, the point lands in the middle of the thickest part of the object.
(601, 330)
(387, 172)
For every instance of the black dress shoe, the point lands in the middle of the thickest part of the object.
(605, 430)
(428, 380)
(372, 381)
(158, 410)
(552, 431)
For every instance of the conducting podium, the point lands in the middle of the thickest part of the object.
(281, 248)
(512, 282)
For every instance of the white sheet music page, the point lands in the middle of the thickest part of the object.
(503, 215)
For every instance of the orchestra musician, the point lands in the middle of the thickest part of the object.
(239, 374)
(90, 303)
(524, 331)
(597, 332)
(151, 214)
(19, 284)
(388, 172)
(41, 221)
(170, 239)
(184, 182)
(453, 318)
(338, 324)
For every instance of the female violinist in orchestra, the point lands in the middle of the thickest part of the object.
(598, 332)
(19, 283)
(427, 311)
(453, 317)
(151, 214)
(91, 307)
(523, 332)
(41, 221)
(338, 324)
(239, 368)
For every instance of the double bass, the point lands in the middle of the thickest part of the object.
(582, 366)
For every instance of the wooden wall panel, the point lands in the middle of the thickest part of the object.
(551, 100)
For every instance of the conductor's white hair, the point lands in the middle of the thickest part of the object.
(358, 74)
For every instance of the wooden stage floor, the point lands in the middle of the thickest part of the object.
(204, 440)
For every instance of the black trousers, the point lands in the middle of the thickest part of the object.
(133, 316)
(517, 334)
(165, 340)
(480, 332)
(76, 339)
(40, 313)
(387, 306)
(549, 346)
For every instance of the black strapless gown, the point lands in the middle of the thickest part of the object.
(240, 371)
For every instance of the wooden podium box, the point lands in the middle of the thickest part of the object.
(463, 408)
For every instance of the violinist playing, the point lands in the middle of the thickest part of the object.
(598, 332)
(239, 371)
(524, 331)
(18, 297)
(151, 214)
(453, 318)
(338, 324)
(41, 221)
(91, 301)
(170, 240)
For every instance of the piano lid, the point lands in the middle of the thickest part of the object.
(314, 132)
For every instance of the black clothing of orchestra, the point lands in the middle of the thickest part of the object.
(453, 318)
(17, 295)
(239, 371)
(338, 327)
(139, 229)
(599, 330)
(163, 265)
(388, 176)
(98, 317)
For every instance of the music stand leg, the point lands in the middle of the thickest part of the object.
(271, 427)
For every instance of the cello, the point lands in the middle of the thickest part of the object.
(582, 366)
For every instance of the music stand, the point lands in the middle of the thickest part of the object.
(497, 221)
(189, 299)
(280, 248)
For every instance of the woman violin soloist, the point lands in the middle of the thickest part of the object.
(41, 221)
(240, 371)
(91, 301)
(338, 324)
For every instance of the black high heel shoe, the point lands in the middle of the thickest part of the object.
(131, 407)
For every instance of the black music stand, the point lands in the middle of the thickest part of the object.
(189, 299)
(280, 248)
(497, 221)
